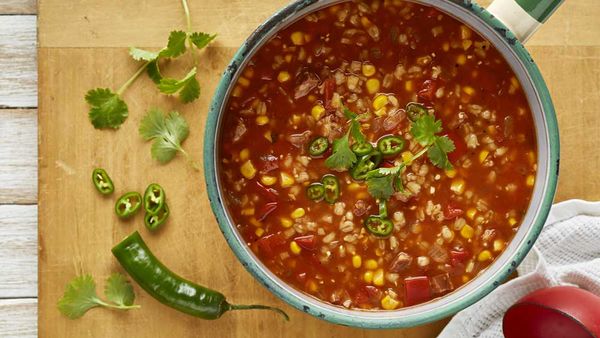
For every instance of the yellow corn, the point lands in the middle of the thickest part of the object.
(483, 155)
(468, 90)
(408, 86)
(371, 264)
(512, 221)
(461, 59)
(288, 58)
(249, 72)
(531, 157)
(298, 213)
(380, 102)
(446, 46)
(451, 173)
(317, 112)
(458, 186)
(378, 278)
(465, 278)
(381, 112)
(237, 91)
(283, 76)
(297, 38)
(373, 86)
(471, 213)
(261, 120)
(244, 154)
(466, 44)
(498, 245)
(514, 82)
(465, 32)
(296, 118)
(368, 277)
(259, 232)
(389, 303)
(530, 180)
(268, 180)
(379, 252)
(255, 222)
(247, 169)
(295, 248)
(356, 261)
(286, 180)
(313, 286)
(268, 136)
(467, 231)
(354, 186)
(368, 69)
(243, 81)
(407, 157)
(485, 255)
(286, 222)
(248, 211)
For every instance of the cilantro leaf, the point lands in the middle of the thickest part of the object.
(154, 72)
(381, 187)
(349, 113)
(190, 91)
(108, 110)
(141, 54)
(175, 46)
(438, 152)
(118, 290)
(356, 133)
(385, 171)
(342, 156)
(167, 132)
(425, 128)
(188, 87)
(201, 40)
(80, 296)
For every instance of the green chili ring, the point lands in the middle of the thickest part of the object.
(102, 181)
(362, 148)
(170, 289)
(415, 110)
(318, 146)
(153, 222)
(379, 226)
(365, 164)
(128, 204)
(390, 145)
(315, 192)
(332, 188)
(154, 199)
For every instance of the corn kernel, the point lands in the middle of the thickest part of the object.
(458, 186)
(243, 81)
(268, 136)
(288, 58)
(485, 255)
(465, 278)
(354, 186)
(373, 86)
(368, 277)
(461, 59)
(371, 264)
(407, 157)
(247, 169)
(317, 112)
(380, 102)
(259, 232)
(468, 90)
(465, 32)
(296, 118)
(471, 213)
(237, 91)
(451, 173)
(379, 252)
(295, 248)
(286, 222)
(531, 157)
(268, 180)
(365, 22)
(467, 231)
(512, 221)
(483, 155)
(297, 38)
(446, 46)
(381, 112)
(286, 180)
(255, 222)
(378, 278)
(408, 86)
(368, 69)
(248, 211)
(313, 286)
(515, 82)
(283, 76)
(356, 261)
(466, 44)
(261, 120)
(299, 212)
(498, 245)
(530, 180)
(362, 195)
(244, 154)
(389, 303)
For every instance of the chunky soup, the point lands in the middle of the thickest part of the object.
(377, 155)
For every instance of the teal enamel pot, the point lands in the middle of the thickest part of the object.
(506, 24)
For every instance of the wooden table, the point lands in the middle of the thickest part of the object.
(71, 36)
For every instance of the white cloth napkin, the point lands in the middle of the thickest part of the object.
(567, 252)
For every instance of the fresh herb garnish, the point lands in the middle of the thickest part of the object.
(381, 181)
(342, 156)
(80, 295)
(424, 130)
(167, 132)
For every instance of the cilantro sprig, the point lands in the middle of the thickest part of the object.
(80, 295)
(342, 156)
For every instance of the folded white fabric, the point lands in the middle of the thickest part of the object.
(567, 252)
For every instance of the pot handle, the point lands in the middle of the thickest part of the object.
(523, 17)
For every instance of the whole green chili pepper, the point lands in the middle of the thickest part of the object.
(154, 199)
(102, 181)
(171, 289)
(153, 222)
(128, 204)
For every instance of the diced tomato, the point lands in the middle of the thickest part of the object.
(268, 163)
(458, 257)
(373, 292)
(266, 210)
(328, 88)
(452, 212)
(388, 164)
(269, 193)
(268, 245)
(427, 91)
(417, 290)
(460, 148)
(308, 242)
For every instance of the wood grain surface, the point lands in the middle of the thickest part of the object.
(82, 45)
(18, 7)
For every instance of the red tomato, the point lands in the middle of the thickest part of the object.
(458, 257)
(452, 212)
(269, 244)
(308, 242)
(266, 210)
(427, 91)
(268, 193)
(417, 290)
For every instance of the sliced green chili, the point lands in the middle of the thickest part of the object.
(128, 204)
(415, 110)
(332, 188)
(365, 164)
(315, 192)
(102, 181)
(318, 146)
(362, 148)
(153, 222)
(154, 199)
(390, 145)
(170, 289)
(379, 226)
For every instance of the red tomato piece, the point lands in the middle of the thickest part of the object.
(427, 91)
(308, 242)
(417, 290)
(458, 257)
(452, 212)
(268, 193)
(269, 244)
(266, 210)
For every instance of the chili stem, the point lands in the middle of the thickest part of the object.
(259, 307)
(188, 21)
(132, 79)
(189, 159)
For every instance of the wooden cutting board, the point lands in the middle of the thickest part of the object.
(83, 44)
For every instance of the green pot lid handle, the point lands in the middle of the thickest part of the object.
(523, 17)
